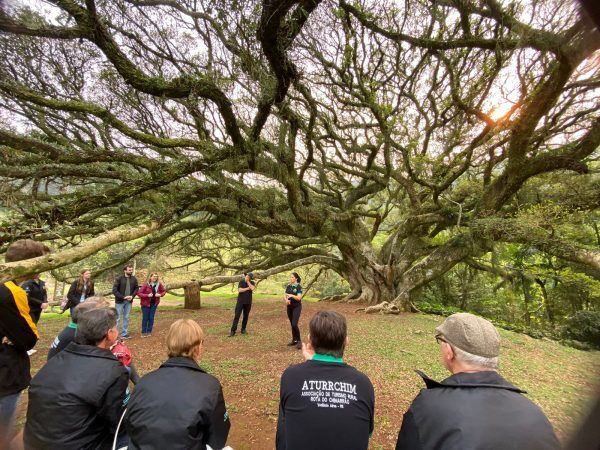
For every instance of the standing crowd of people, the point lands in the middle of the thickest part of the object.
(80, 399)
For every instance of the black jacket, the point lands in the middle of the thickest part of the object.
(178, 406)
(18, 327)
(36, 295)
(118, 289)
(76, 400)
(470, 411)
(74, 297)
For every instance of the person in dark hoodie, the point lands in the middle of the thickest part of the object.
(475, 408)
(179, 405)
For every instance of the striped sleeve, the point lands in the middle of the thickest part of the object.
(15, 321)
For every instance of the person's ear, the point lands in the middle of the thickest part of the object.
(347, 341)
(448, 352)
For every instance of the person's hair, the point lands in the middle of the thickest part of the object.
(475, 360)
(93, 325)
(328, 333)
(82, 308)
(127, 266)
(81, 282)
(183, 337)
(89, 304)
(150, 276)
(25, 249)
(296, 276)
(100, 301)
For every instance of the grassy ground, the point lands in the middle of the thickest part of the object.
(387, 348)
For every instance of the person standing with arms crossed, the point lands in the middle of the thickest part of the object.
(293, 299)
(125, 289)
(244, 302)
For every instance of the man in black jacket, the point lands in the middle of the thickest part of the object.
(323, 402)
(125, 289)
(475, 408)
(78, 397)
(37, 296)
(179, 405)
(18, 334)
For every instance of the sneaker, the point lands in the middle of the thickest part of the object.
(244, 332)
(125, 336)
(231, 333)
(291, 344)
(299, 345)
(144, 335)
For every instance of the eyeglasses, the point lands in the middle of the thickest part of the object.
(439, 340)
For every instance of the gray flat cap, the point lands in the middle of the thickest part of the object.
(471, 333)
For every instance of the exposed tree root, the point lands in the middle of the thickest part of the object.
(381, 308)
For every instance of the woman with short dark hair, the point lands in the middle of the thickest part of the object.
(293, 300)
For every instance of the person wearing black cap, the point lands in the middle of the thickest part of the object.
(244, 302)
(475, 408)
(293, 299)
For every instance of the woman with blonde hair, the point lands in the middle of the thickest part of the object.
(178, 406)
(150, 294)
(81, 289)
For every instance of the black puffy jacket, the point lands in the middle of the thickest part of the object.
(178, 406)
(76, 400)
(474, 411)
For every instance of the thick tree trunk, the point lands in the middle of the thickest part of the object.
(192, 296)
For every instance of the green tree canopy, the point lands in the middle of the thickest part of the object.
(388, 140)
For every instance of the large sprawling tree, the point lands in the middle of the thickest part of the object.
(386, 140)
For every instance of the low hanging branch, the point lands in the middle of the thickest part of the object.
(10, 271)
(218, 279)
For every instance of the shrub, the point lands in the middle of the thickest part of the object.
(583, 326)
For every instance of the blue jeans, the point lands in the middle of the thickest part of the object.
(123, 310)
(8, 407)
(148, 318)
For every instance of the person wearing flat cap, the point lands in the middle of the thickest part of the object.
(244, 302)
(475, 408)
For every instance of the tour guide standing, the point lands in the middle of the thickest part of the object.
(244, 302)
(125, 289)
(475, 407)
(323, 402)
(293, 299)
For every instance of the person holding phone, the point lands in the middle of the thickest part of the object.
(244, 302)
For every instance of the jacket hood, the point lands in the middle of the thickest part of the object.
(486, 378)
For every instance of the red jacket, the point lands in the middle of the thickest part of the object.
(145, 293)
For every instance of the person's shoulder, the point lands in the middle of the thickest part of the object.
(295, 369)
(364, 378)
